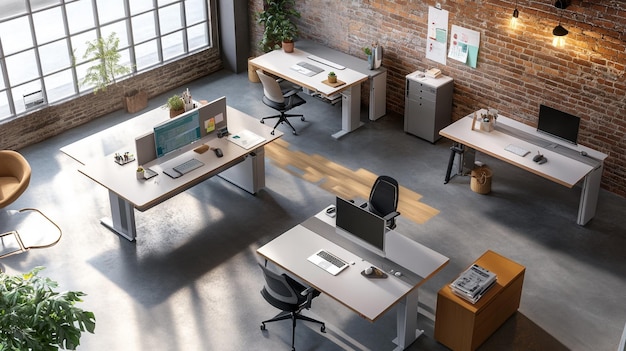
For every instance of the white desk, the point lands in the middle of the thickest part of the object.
(279, 63)
(239, 166)
(565, 166)
(370, 298)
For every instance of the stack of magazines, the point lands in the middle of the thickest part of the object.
(472, 284)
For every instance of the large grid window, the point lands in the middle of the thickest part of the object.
(42, 42)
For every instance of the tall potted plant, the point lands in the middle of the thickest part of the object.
(35, 317)
(105, 68)
(276, 18)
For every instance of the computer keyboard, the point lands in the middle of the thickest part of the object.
(188, 166)
(325, 62)
(517, 150)
(332, 259)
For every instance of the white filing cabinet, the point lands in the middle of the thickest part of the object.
(427, 105)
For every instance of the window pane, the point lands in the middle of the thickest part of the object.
(20, 91)
(20, 37)
(138, 6)
(165, 2)
(146, 55)
(143, 27)
(120, 30)
(48, 25)
(170, 18)
(54, 56)
(81, 72)
(79, 44)
(195, 11)
(198, 36)
(124, 60)
(79, 15)
(172, 45)
(110, 10)
(36, 5)
(59, 86)
(1, 75)
(22, 67)
(4, 105)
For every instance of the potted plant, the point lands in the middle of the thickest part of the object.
(140, 173)
(35, 317)
(176, 105)
(332, 77)
(278, 25)
(104, 55)
(370, 58)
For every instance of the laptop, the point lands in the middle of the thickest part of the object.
(328, 262)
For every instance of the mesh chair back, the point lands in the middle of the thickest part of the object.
(384, 196)
(278, 287)
(271, 88)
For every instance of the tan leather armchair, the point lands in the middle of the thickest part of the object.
(14, 176)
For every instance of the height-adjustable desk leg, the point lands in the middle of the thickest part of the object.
(589, 196)
(407, 321)
(122, 219)
(454, 149)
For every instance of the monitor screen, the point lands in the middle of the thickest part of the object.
(177, 133)
(362, 224)
(559, 124)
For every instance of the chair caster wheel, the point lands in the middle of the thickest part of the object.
(272, 132)
(294, 133)
(323, 329)
(262, 121)
(302, 119)
(262, 326)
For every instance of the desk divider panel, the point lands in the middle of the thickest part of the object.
(212, 117)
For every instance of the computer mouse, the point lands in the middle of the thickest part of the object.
(583, 153)
(218, 152)
(537, 157)
(542, 160)
(369, 270)
(398, 274)
(331, 210)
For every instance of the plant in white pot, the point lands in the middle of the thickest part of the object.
(33, 316)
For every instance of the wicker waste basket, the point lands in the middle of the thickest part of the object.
(481, 180)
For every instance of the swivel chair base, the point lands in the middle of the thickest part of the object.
(294, 316)
(283, 118)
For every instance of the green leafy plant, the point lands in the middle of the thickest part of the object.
(175, 103)
(367, 51)
(331, 74)
(278, 25)
(104, 54)
(35, 317)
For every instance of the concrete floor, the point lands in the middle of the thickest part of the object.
(190, 281)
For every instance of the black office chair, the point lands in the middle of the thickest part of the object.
(280, 100)
(384, 199)
(286, 294)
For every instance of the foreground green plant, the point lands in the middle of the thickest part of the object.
(35, 317)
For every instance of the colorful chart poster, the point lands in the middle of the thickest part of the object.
(437, 40)
(464, 45)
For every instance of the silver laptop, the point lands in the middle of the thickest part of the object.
(328, 262)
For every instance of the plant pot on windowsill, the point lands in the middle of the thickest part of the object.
(135, 100)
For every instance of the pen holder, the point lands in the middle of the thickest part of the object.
(140, 173)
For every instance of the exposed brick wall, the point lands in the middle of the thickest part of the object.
(55, 119)
(517, 69)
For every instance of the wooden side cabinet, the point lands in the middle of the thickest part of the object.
(460, 325)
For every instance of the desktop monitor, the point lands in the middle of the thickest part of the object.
(177, 133)
(558, 124)
(366, 227)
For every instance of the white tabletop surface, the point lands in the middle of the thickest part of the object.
(368, 297)
(144, 194)
(279, 63)
(561, 169)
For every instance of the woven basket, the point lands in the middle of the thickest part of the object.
(481, 180)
